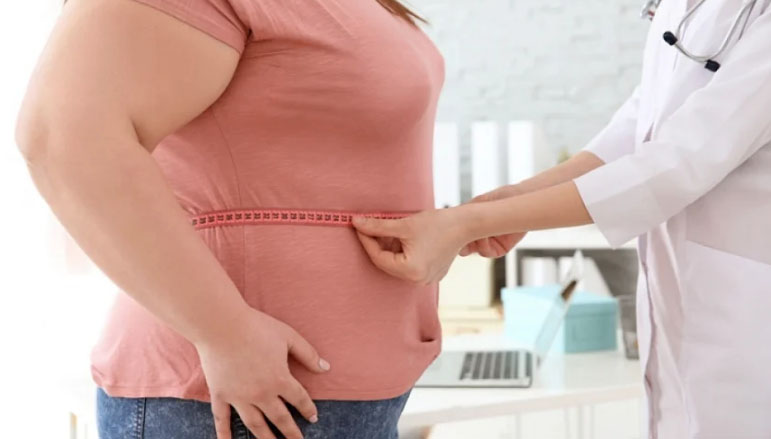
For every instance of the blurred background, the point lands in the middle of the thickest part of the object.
(528, 83)
(564, 65)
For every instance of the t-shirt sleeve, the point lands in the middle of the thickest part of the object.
(216, 18)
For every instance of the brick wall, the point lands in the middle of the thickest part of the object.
(565, 64)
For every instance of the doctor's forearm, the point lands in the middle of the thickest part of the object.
(574, 167)
(556, 206)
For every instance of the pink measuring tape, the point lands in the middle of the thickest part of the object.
(284, 216)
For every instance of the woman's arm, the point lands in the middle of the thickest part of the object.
(115, 78)
(86, 127)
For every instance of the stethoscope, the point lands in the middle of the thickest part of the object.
(673, 39)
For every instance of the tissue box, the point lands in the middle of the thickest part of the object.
(590, 324)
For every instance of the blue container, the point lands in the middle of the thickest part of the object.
(590, 325)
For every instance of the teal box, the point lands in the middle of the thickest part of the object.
(590, 324)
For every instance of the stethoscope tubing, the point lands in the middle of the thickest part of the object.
(747, 7)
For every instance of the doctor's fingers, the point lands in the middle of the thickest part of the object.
(468, 249)
(385, 228)
(390, 262)
(484, 247)
(393, 245)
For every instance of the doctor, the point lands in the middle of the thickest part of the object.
(685, 165)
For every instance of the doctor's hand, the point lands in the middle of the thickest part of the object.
(418, 248)
(495, 246)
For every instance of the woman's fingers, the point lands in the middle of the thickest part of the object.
(296, 395)
(279, 415)
(254, 420)
(221, 411)
(306, 354)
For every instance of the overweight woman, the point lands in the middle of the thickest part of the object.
(208, 156)
(685, 165)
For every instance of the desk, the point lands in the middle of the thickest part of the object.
(564, 381)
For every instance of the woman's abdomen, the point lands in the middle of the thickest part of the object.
(378, 333)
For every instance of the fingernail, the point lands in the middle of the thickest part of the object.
(323, 364)
(359, 220)
(314, 419)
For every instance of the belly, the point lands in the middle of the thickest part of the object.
(318, 280)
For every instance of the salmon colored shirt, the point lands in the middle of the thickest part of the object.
(332, 107)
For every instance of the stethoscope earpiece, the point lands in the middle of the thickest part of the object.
(712, 65)
(670, 38)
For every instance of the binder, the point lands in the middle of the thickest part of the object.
(446, 165)
(486, 172)
(527, 151)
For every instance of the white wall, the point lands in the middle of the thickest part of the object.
(50, 314)
(566, 64)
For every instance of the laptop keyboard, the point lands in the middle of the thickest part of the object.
(492, 365)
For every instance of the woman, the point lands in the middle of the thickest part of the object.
(203, 153)
(685, 165)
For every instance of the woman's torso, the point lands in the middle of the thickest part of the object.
(331, 108)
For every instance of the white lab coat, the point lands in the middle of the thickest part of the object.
(689, 172)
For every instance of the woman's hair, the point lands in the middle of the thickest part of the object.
(397, 8)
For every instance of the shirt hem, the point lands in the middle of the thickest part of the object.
(184, 392)
(116, 390)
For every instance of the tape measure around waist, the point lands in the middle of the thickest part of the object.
(285, 216)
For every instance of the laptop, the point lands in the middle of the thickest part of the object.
(504, 368)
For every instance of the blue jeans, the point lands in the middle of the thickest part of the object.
(171, 418)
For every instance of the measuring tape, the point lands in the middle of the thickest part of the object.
(284, 216)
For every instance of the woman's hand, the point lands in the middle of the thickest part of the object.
(495, 246)
(250, 371)
(419, 248)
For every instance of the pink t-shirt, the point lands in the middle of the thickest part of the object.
(331, 108)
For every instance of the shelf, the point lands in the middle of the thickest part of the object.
(584, 237)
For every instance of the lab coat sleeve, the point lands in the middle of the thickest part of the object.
(618, 137)
(716, 129)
